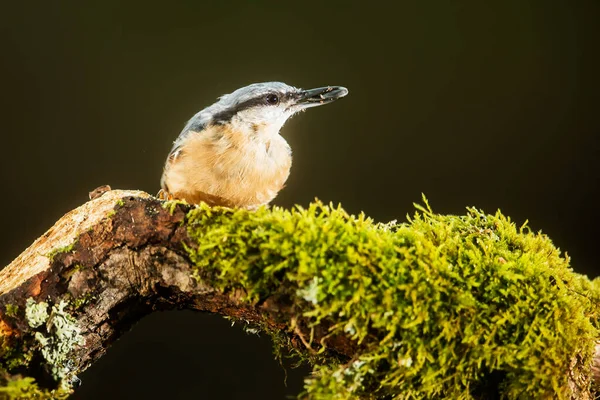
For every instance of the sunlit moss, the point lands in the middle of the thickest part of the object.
(27, 389)
(171, 205)
(440, 304)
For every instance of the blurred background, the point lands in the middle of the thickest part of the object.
(472, 103)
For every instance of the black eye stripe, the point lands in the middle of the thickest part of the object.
(226, 115)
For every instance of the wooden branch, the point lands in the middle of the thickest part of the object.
(118, 258)
(106, 264)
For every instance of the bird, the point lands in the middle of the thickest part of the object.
(231, 153)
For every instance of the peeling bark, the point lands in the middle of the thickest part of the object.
(122, 256)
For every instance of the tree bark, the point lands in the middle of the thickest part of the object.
(117, 258)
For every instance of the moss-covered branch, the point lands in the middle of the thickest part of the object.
(462, 307)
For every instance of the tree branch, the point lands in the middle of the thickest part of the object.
(103, 266)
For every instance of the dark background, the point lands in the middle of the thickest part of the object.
(494, 106)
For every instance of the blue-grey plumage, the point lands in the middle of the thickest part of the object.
(231, 153)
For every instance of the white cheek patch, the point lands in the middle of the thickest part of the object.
(271, 117)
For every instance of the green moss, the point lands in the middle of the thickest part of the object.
(171, 205)
(12, 310)
(82, 301)
(438, 304)
(66, 249)
(13, 356)
(119, 203)
(69, 272)
(27, 388)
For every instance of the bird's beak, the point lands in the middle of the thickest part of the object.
(316, 97)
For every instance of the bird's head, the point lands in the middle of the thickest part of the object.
(265, 107)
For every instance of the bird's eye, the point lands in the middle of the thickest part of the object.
(272, 99)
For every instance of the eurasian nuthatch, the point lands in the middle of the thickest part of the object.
(231, 153)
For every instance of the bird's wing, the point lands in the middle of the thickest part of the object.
(196, 124)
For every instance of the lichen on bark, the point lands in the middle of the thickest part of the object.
(440, 306)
